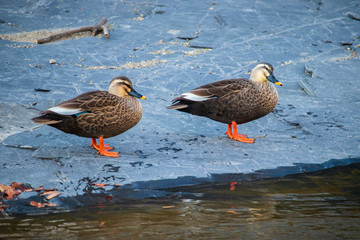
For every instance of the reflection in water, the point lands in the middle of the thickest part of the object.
(323, 205)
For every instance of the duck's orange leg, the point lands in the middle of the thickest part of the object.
(229, 131)
(236, 136)
(97, 147)
(104, 148)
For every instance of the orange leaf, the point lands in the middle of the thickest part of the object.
(166, 207)
(34, 189)
(52, 195)
(102, 224)
(20, 186)
(36, 204)
(229, 211)
(100, 184)
(41, 205)
(232, 186)
(47, 193)
(13, 190)
(8, 191)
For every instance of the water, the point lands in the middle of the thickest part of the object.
(319, 205)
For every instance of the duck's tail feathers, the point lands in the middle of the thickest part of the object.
(44, 120)
(178, 106)
(48, 118)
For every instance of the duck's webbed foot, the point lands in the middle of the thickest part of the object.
(236, 136)
(103, 149)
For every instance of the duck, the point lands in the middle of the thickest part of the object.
(97, 114)
(233, 101)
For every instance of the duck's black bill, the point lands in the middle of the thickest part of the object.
(272, 79)
(136, 94)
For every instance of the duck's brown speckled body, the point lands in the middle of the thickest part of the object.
(233, 101)
(105, 115)
(97, 114)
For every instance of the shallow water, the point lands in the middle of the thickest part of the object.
(319, 205)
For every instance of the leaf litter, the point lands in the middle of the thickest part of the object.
(12, 191)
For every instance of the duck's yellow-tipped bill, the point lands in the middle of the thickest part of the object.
(272, 79)
(136, 94)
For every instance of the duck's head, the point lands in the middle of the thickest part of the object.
(264, 72)
(122, 86)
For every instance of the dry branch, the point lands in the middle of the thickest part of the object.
(97, 28)
(105, 31)
(94, 29)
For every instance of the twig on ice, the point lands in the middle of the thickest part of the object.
(94, 29)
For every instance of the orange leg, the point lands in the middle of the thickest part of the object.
(97, 147)
(103, 149)
(229, 131)
(236, 136)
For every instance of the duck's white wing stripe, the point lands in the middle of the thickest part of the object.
(194, 97)
(65, 111)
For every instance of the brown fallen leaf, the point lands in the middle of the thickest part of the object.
(41, 205)
(50, 194)
(100, 184)
(54, 194)
(36, 204)
(35, 189)
(230, 211)
(166, 207)
(232, 186)
(47, 193)
(7, 191)
(13, 190)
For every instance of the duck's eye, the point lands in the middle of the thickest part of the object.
(127, 85)
(267, 71)
(124, 83)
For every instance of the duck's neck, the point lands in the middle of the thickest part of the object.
(268, 89)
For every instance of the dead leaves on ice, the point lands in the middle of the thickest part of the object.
(13, 190)
(41, 205)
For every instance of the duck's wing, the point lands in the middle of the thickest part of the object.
(210, 91)
(83, 103)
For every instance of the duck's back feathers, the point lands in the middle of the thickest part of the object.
(85, 102)
(212, 90)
